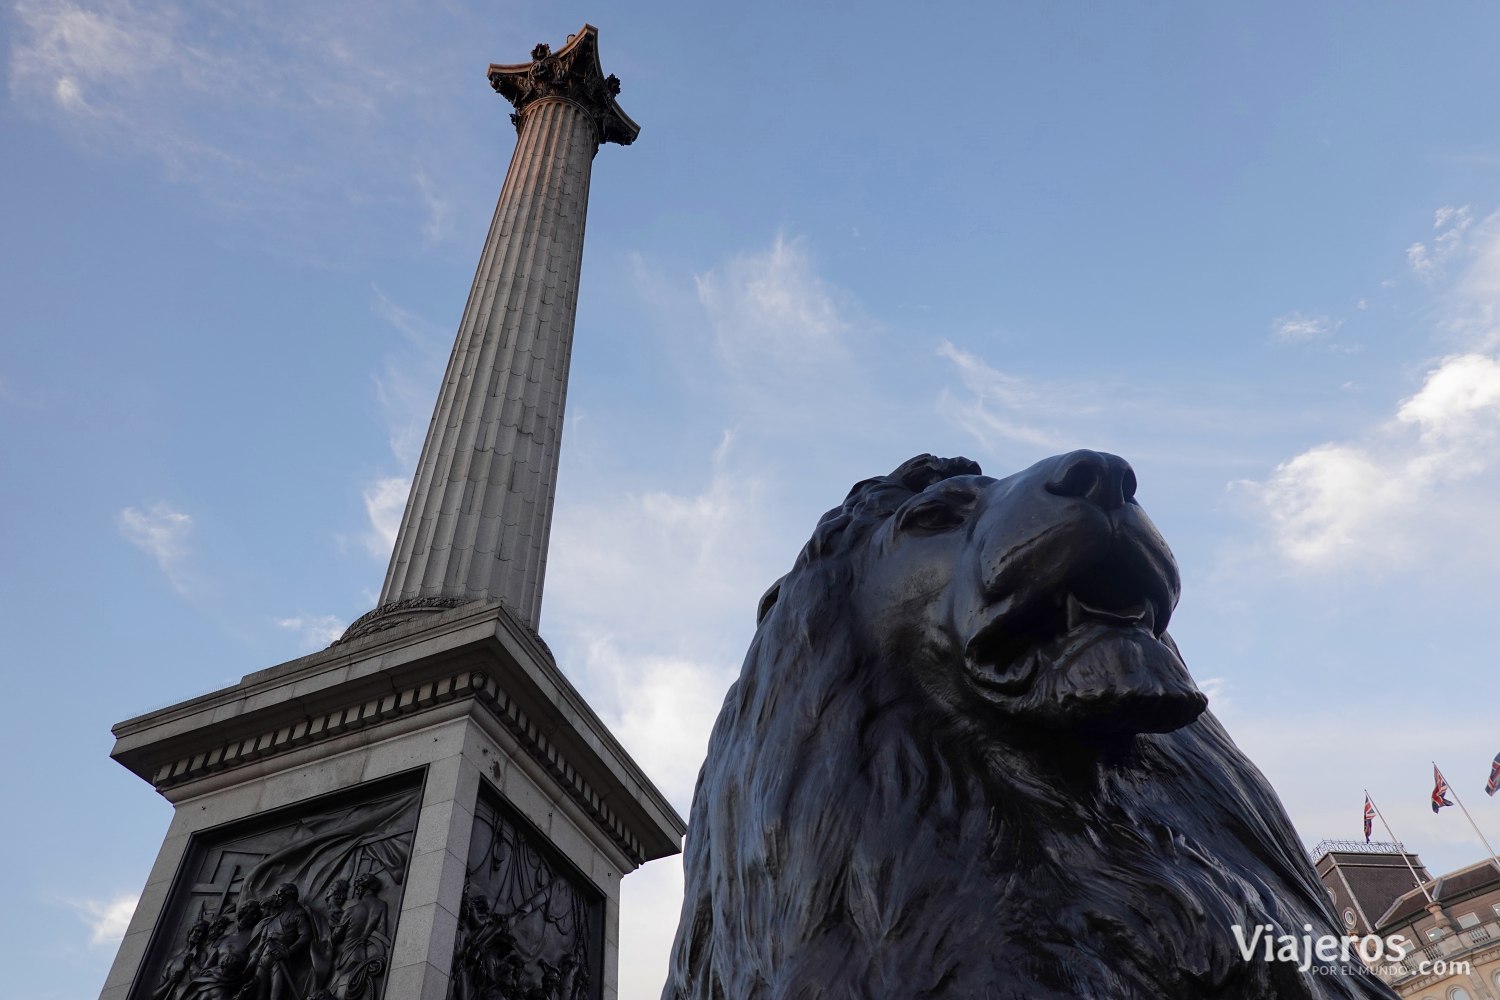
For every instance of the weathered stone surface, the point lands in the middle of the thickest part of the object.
(488, 710)
(476, 524)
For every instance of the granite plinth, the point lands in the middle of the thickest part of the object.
(467, 699)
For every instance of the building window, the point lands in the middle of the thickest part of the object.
(1434, 933)
(1469, 920)
(1459, 993)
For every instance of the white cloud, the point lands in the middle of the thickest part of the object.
(1306, 756)
(651, 899)
(665, 708)
(107, 919)
(1450, 224)
(1459, 400)
(1297, 327)
(439, 224)
(773, 317)
(674, 572)
(1217, 689)
(404, 387)
(1399, 492)
(1474, 303)
(156, 79)
(1005, 408)
(1330, 502)
(161, 533)
(652, 597)
(385, 501)
(66, 50)
(1372, 503)
(314, 631)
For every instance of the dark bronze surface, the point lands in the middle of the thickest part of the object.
(299, 905)
(964, 759)
(529, 926)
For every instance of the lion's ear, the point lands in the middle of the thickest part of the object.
(767, 601)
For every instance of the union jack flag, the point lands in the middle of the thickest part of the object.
(1493, 784)
(1439, 790)
(1370, 815)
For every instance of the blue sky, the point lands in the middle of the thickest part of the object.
(1252, 248)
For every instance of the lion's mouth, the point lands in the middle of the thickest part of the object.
(1093, 601)
(1141, 614)
(1006, 653)
(1091, 654)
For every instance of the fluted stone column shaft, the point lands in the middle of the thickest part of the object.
(478, 517)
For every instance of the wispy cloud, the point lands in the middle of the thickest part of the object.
(1004, 408)
(314, 631)
(1298, 327)
(665, 719)
(157, 79)
(71, 56)
(439, 224)
(162, 533)
(385, 501)
(1428, 260)
(652, 596)
(1217, 689)
(107, 919)
(409, 376)
(404, 387)
(774, 317)
(611, 548)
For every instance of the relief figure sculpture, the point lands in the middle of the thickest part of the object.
(283, 943)
(300, 907)
(360, 942)
(529, 928)
(226, 969)
(186, 963)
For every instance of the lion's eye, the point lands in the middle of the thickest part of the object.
(930, 515)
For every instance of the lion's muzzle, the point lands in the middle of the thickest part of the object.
(1076, 588)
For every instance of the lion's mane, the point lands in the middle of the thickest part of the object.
(849, 837)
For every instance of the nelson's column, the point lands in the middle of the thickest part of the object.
(427, 808)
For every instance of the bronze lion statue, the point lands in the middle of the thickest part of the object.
(964, 759)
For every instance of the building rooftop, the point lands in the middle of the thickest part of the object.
(1445, 889)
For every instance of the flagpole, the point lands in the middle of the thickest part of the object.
(1400, 847)
(1460, 803)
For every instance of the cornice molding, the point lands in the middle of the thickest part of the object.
(412, 699)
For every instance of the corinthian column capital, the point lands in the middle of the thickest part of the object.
(570, 74)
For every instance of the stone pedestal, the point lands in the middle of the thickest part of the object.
(448, 809)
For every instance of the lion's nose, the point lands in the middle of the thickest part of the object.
(1103, 479)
